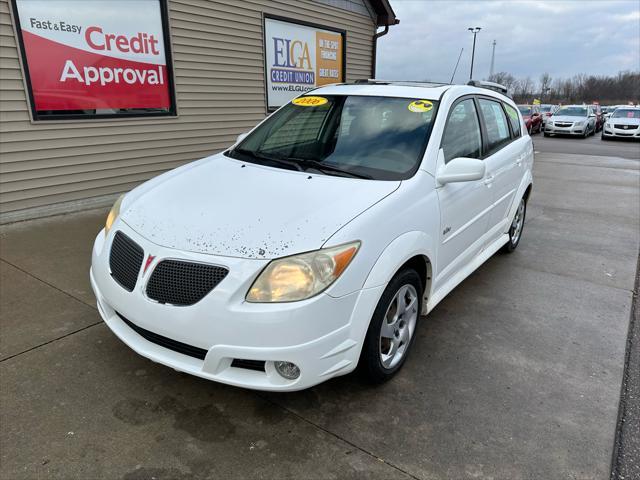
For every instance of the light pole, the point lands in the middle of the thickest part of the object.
(475, 31)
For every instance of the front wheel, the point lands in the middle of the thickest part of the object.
(517, 225)
(392, 327)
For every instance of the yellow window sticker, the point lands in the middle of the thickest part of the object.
(309, 101)
(420, 106)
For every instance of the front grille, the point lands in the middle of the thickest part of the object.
(125, 260)
(563, 124)
(183, 283)
(626, 127)
(257, 365)
(166, 342)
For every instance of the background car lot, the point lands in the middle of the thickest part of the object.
(516, 374)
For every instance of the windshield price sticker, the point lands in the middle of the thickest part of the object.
(309, 101)
(420, 106)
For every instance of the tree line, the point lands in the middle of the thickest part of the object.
(607, 90)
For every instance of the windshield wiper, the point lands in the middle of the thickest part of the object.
(326, 168)
(266, 158)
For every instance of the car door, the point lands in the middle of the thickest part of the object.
(504, 156)
(463, 205)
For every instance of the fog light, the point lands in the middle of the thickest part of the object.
(288, 370)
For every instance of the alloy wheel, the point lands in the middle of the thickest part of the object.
(398, 326)
(518, 222)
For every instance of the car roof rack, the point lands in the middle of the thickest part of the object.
(496, 87)
(404, 83)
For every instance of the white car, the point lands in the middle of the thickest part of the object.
(314, 244)
(572, 120)
(624, 122)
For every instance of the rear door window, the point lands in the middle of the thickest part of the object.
(495, 121)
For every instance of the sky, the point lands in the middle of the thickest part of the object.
(561, 37)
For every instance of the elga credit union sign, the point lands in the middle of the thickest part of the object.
(299, 58)
(100, 56)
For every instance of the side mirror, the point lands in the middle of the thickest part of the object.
(592, 115)
(461, 169)
(241, 137)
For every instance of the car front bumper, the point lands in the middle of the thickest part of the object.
(572, 130)
(322, 335)
(611, 131)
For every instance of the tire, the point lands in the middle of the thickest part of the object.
(517, 227)
(546, 134)
(377, 363)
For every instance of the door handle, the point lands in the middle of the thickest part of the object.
(488, 180)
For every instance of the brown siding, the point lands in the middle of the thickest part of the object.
(219, 76)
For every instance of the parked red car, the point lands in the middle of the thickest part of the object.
(599, 116)
(532, 118)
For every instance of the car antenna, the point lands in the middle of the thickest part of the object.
(456, 67)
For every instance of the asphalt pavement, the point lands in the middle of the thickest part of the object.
(517, 374)
(592, 145)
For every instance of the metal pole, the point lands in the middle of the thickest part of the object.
(475, 31)
(493, 59)
(456, 68)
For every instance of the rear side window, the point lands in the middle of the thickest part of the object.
(496, 124)
(514, 119)
(462, 133)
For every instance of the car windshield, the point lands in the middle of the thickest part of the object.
(524, 110)
(626, 113)
(546, 108)
(572, 112)
(380, 138)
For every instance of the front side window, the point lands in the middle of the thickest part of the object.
(462, 133)
(514, 119)
(380, 138)
(495, 122)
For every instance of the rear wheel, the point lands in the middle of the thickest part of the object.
(392, 327)
(517, 225)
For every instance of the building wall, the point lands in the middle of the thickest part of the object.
(220, 89)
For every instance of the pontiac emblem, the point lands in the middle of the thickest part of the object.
(150, 259)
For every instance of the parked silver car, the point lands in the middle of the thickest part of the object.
(572, 120)
(546, 111)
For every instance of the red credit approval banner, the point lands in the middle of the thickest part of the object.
(88, 55)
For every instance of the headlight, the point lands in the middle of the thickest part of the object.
(113, 214)
(301, 276)
(577, 124)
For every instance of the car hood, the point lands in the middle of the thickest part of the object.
(568, 118)
(624, 121)
(222, 206)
